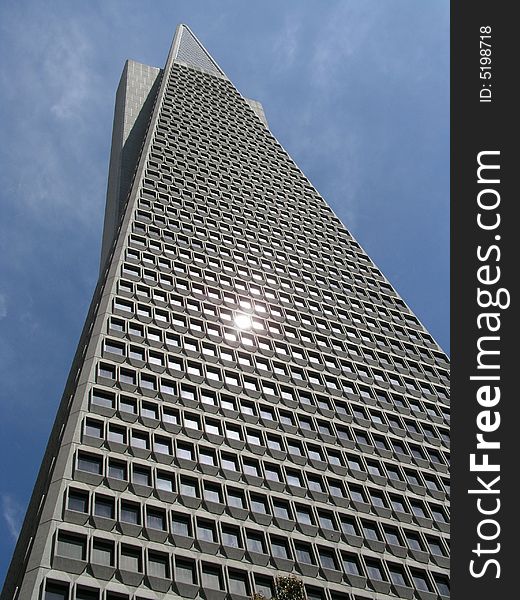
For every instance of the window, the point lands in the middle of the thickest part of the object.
(336, 488)
(71, 546)
(116, 434)
(127, 376)
(213, 427)
(254, 437)
(185, 571)
(414, 541)
(117, 469)
(155, 519)
(238, 583)
(279, 547)
(392, 536)
(107, 371)
(56, 591)
(104, 506)
(211, 577)
(315, 453)
(102, 398)
(103, 552)
(206, 531)
(438, 514)
(443, 585)
(349, 526)
(149, 410)
(378, 499)
(375, 570)
(421, 581)
(128, 405)
(357, 494)
(165, 481)
(435, 546)
(295, 448)
(397, 575)
(373, 468)
(259, 504)
(398, 504)
(131, 559)
(304, 553)
(294, 478)
(189, 487)
(130, 513)
(94, 428)
(115, 347)
(418, 509)
(431, 484)
(370, 530)
(181, 525)
(286, 418)
(185, 451)
(327, 559)
(251, 467)
(231, 537)
(170, 416)
(354, 464)
(158, 565)
(142, 476)
(212, 493)
(351, 564)
(229, 462)
(393, 473)
(78, 501)
(90, 463)
(206, 456)
(148, 382)
(304, 515)
(263, 585)
(326, 520)
(255, 542)
(83, 593)
(281, 509)
(140, 439)
(236, 498)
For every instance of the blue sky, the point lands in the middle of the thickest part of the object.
(355, 90)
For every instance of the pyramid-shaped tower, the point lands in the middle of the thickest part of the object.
(250, 397)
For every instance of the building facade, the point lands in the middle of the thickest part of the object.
(250, 396)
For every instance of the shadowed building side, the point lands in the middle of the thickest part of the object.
(135, 99)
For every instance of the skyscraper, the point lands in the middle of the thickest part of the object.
(250, 396)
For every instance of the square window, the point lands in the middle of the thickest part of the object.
(158, 565)
(117, 469)
(103, 552)
(56, 591)
(181, 525)
(130, 513)
(185, 571)
(90, 463)
(78, 501)
(71, 546)
(104, 506)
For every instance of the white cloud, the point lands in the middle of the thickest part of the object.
(286, 45)
(12, 514)
(56, 95)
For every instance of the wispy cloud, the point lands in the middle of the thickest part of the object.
(287, 45)
(12, 513)
(56, 87)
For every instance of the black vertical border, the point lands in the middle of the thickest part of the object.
(481, 126)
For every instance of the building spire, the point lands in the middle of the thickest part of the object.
(189, 50)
